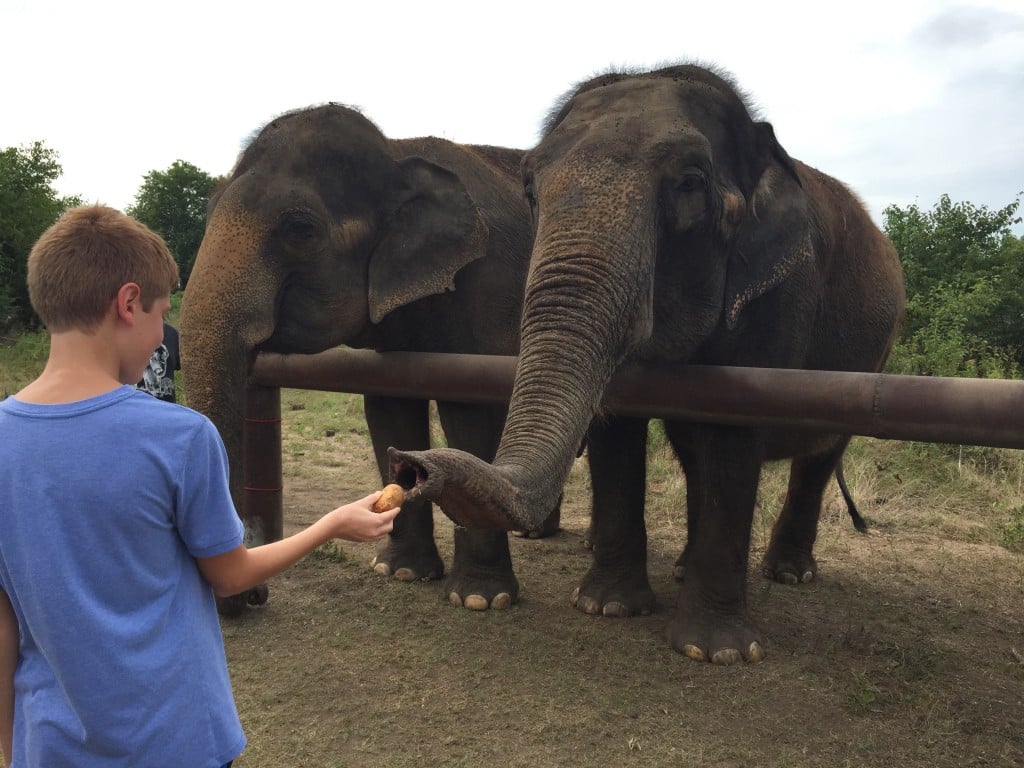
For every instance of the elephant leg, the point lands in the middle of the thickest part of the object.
(481, 576)
(410, 553)
(680, 437)
(790, 555)
(711, 621)
(617, 584)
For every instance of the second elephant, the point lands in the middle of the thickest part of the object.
(326, 233)
(673, 228)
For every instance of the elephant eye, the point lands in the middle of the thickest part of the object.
(298, 228)
(531, 195)
(686, 200)
(691, 182)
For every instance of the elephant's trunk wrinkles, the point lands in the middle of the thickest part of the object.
(587, 304)
(226, 310)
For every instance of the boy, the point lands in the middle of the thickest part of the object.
(110, 646)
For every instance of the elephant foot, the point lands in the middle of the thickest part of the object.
(232, 607)
(258, 595)
(789, 567)
(603, 594)
(679, 569)
(704, 635)
(409, 562)
(480, 590)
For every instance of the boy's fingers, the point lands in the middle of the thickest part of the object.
(388, 517)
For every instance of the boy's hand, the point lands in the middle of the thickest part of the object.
(358, 522)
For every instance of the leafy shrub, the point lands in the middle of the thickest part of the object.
(1013, 530)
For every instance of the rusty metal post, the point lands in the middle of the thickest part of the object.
(262, 505)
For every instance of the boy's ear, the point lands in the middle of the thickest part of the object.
(128, 301)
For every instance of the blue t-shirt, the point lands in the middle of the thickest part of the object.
(104, 506)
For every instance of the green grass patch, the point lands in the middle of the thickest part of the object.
(322, 414)
(329, 552)
(1013, 530)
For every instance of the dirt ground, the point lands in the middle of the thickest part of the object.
(906, 651)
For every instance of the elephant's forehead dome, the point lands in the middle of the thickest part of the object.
(643, 106)
(650, 109)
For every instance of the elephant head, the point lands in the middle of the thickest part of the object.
(662, 211)
(321, 230)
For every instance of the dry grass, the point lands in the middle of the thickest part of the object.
(907, 649)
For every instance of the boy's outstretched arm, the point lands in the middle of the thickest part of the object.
(8, 662)
(242, 569)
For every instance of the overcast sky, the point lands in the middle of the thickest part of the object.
(904, 100)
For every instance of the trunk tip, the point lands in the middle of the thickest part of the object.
(467, 489)
(416, 473)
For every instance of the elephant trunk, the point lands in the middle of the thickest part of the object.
(588, 303)
(227, 309)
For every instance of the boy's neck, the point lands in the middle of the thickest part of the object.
(79, 366)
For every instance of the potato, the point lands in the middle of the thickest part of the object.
(391, 496)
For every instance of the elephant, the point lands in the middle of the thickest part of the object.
(327, 233)
(673, 228)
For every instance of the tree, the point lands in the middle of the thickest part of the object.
(965, 310)
(173, 204)
(28, 206)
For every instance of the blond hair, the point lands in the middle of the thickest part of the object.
(79, 264)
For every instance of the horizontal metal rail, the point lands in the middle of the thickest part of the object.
(924, 408)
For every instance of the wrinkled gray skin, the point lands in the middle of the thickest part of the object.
(672, 227)
(328, 233)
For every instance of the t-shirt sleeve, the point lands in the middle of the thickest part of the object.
(206, 518)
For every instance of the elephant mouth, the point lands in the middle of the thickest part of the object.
(473, 493)
(415, 474)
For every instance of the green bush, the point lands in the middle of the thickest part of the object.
(965, 310)
(28, 206)
(1013, 531)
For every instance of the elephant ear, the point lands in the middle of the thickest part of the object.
(435, 229)
(773, 239)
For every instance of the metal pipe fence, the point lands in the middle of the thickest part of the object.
(931, 409)
(985, 412)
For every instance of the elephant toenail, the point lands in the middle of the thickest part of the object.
(405, 574)
(476, 603)
(727, 657)
(693, 652)
(615, 609)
